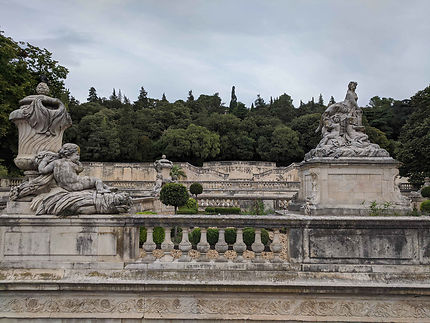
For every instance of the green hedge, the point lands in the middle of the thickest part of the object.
(146, 212)
(184, 210)
(222, 210)
(158, 235)
(425, 191)
(425, 206)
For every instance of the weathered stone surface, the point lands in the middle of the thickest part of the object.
(349, 186)
(41, 121)
(337, 269)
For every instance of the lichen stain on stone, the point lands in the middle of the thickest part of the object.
(83, 244)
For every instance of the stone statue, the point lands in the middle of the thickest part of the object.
(162, 167)
(41, 121)
(60, 190)
(343, 132)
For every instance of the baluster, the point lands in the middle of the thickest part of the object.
(239, 246)
(203, 246)
(258, 247)
(149, 246)
(221, 246)
(276, 247)
(167, 246)
(185, 246)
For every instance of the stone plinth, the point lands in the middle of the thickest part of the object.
(348, 186)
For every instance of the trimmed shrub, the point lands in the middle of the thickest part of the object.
(146, 212)
(194, 236)
(425, 191)
(212, 236)
(249, 236)
(185, 210)
(425, 206)
(174, 194)
(192, 204)
(157, 235)
(196, 189)
(230, 235)
(222, 210)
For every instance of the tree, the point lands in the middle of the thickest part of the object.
(283, 108)
(177, 172)
(282, 147)
(259, 102)
(190, 96)
(21, 67)
(196, 189)
(414, 150)
(174, 194)
(305, 126)
(195, 143)
(233, 101)
(332, 101)
(163, 98)
(320, 100)
(142, 100)
(92, 95)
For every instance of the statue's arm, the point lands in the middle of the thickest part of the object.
(46, 166)
(79, 167)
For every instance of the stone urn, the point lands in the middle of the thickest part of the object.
(41, 121)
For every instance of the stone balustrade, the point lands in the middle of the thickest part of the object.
(330, 268)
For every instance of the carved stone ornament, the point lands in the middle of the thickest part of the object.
(343, 132)
(292, 308)
(60, 190)
(41, 121)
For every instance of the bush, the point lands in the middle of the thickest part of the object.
(425, 206)
(146, 212)
(222, 210)
(230, 236)
(185, 210)
(196, 189)
(192, 204)
(212, 236)
(174, 194)
(194, 236)
(157, 235)
(425, 191)
(249, 236)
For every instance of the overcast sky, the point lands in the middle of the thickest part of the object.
(267, 47)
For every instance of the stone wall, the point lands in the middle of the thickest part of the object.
(213, 171)
(337, 269)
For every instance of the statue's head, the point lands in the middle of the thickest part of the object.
(68, 150)
(163, 157)
(352, 85)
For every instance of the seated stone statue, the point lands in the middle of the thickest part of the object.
(343, 133)
(60, 190)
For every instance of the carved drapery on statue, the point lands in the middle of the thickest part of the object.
(343, 132)
(54, 185)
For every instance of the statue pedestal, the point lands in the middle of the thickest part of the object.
(348, 186)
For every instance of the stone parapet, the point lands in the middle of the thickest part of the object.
(353, 268)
